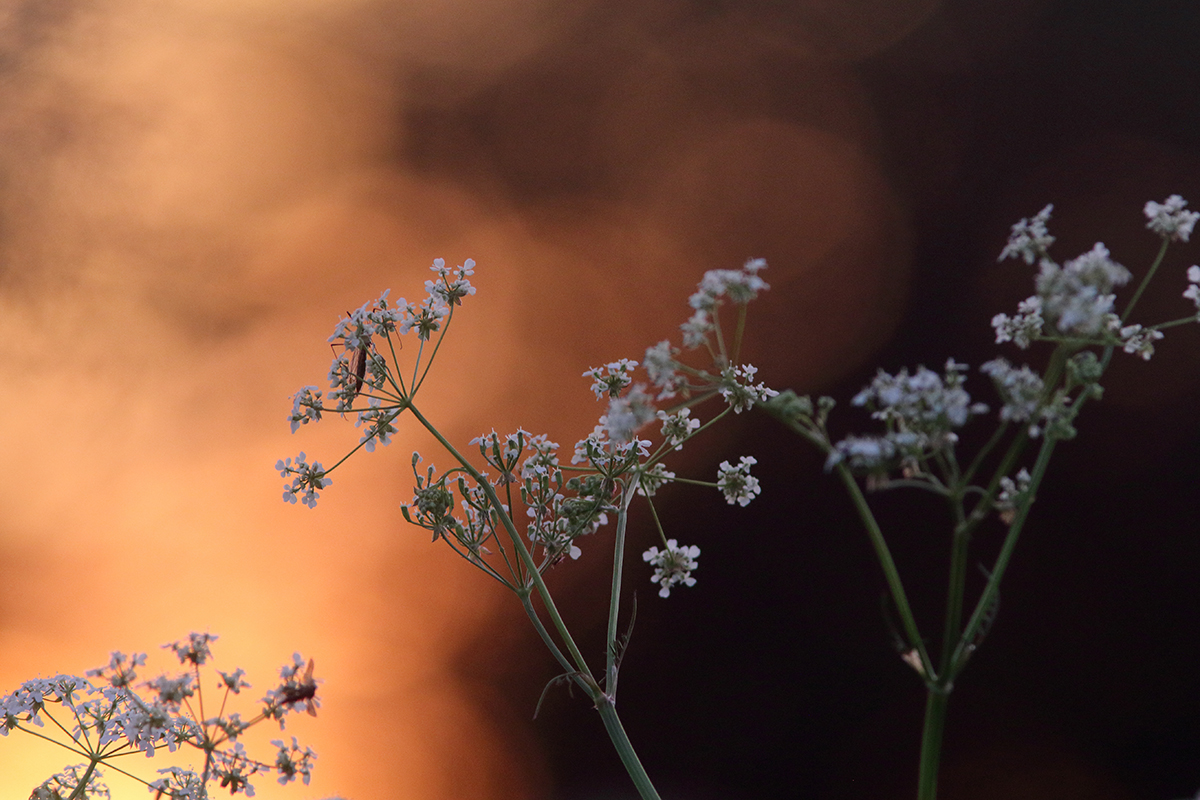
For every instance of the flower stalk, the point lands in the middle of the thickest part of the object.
(610, 467)
(1073, 310)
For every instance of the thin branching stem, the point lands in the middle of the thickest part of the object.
(1158, 259)
(890, 572)
(547, 639)
(81, 787)
(580, 672)
(614, 602)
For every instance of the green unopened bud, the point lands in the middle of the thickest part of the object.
(790, 406)
(1084, 369)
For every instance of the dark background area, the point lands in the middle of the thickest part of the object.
(774, 676)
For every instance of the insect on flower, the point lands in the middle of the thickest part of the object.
(297, 691)
(357, 358)
(358, 365)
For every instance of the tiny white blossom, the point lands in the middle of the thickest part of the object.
(672, 566)
(543, 458)
(348, 373)
(65, 784)
(379, 425)
(1023, 328)
(741, 286)
(452, 284)
(1193, 291)
(117, 673)
(653, 479)
(1139, 340)
(739, 390)
(181, 784)
(678, 427)
(1029, 239)
(343, 382)
(1012, 494)
(736, 482)
(1054, 417)
(867, 453)
(552, 531)
(292, 760)
(629, 413)
(696, 329)
(602, 452)
(148, 726)
(195, 650)
(924, 401)
(1020, 389)
(233, 768)
(1077, 297)
(1169, 220)
(660, 367)
(306, 407)
(425, 319)
(173, 691)
(611, 379)
(234, 681)
(310, 479)
(587, 449)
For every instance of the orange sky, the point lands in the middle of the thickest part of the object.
(195, 191)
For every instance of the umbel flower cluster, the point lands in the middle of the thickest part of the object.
(474, 507)
(471, 510)
(1074, 311)
(1074, 301)
(101, 721)
(650, 414)
(1073, 306)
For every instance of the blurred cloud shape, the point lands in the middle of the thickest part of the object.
(193, 192)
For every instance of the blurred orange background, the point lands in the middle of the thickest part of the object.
(194, 192)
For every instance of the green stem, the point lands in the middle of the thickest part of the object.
(531, 612)
(882, 552)
(1162, 251)
(967, 640)
(583, 675)
(81, 787)
(1162, 326)
(890, 573)
(616, 732)
(956, 584)
(931, 743)
(522, 552)
(614, 600)
(997, 435)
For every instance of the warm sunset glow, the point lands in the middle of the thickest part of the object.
(197, 190)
